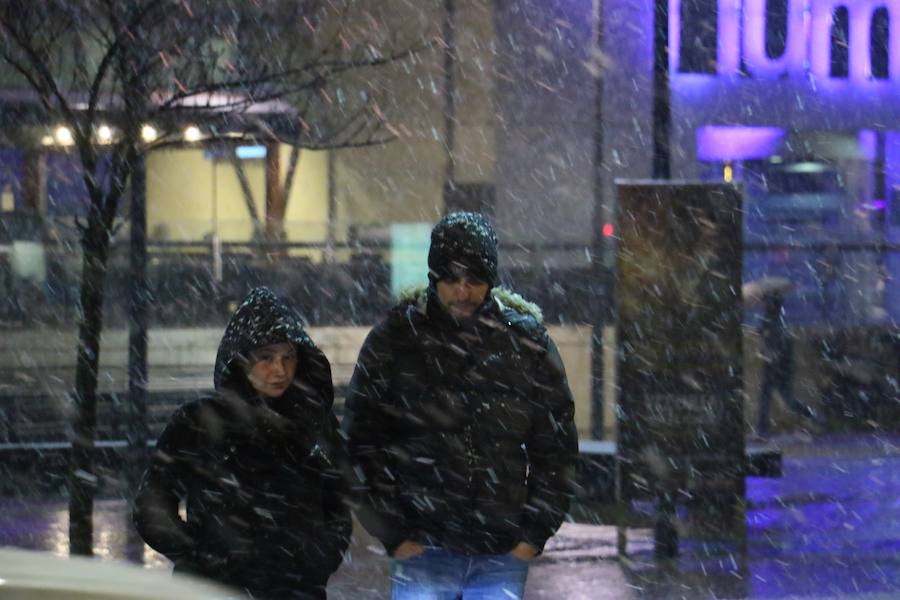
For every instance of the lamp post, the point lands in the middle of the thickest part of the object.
(602, 246)
(138, 322)
(662, 110)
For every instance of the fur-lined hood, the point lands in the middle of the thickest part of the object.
(506, 300)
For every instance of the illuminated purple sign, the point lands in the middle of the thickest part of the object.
(721, 143)
(741, 26)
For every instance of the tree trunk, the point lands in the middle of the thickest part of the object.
(289, 176)
(34, 178)
(275, 199)
(82, 481)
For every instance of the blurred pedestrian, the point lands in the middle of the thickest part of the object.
(460, 422)
(259, 465)
(778, 362)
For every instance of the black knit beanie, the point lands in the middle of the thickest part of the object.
(463, 241)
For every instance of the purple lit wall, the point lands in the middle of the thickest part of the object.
(66, 191)
(793, 91)
(892, 222)
(868, 144)
(860, 12)
(808, 42)
(721, 143)
(754, 46)
(754, 105)
(793, 103)
(892, 178)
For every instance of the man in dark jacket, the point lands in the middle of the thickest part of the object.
(460, 424)
(259, 465)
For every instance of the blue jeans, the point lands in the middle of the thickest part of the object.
(439, 574)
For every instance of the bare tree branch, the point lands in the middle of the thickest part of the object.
(48, 84)
(165, 62)
(113, 49)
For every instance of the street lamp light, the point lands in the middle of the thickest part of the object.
(149, 133)
(64, 136)
(104, 134)
(192, 134)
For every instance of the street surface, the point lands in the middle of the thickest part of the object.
(829, 528)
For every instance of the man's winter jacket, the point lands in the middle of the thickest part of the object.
(261, 477)
(462, 435)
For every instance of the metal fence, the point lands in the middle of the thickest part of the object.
(196, 284)
(341, 283)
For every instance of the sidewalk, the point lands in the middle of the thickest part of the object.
(829, 528)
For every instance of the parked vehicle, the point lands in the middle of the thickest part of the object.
(27, 575)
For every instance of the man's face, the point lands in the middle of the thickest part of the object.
(461, 295)
(271, 369)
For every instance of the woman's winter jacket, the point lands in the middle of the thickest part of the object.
(261, 477)
(463, 434)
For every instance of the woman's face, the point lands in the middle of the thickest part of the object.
(271, 369)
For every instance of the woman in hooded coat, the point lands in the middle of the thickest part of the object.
(259, 465)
